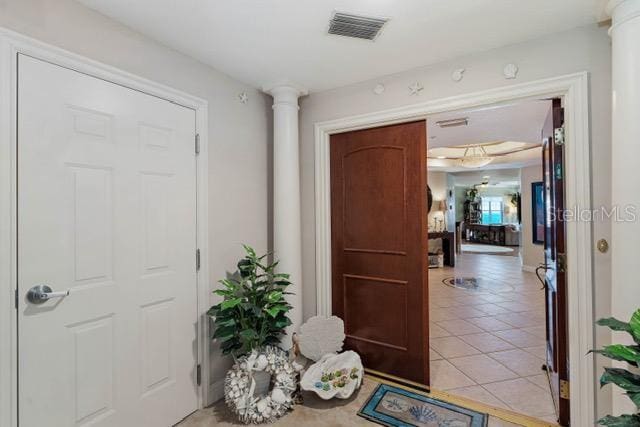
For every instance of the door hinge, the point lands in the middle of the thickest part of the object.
(564, 389)
(198, 374)
(197, 146)
(561, 262)
(197, 259)
(16, 299)
(558, 134)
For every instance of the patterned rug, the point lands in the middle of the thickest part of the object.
(396, 407)
(477, 284)
(468, 283)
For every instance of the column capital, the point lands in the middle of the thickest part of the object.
(285, 92)
(622, 11)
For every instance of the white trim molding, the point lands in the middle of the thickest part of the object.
(11, 44)
(573, 89)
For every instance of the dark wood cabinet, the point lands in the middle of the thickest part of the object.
(448, 245)
(489, 234)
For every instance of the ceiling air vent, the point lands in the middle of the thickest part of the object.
(360, 27)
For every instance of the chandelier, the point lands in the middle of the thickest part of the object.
(475, 157)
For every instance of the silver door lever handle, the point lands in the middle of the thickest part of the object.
(42, 293)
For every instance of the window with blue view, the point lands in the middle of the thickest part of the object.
(492, 210)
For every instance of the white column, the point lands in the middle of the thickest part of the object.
(625, 81)
(286, 195)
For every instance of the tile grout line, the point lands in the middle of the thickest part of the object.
(452, 308)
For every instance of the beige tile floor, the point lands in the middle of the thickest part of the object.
(314, 412)
(488, 345)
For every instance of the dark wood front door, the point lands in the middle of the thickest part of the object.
(379, 246)
(555, 262)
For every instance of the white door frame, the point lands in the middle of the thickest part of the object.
(12, 43)
(574, 90)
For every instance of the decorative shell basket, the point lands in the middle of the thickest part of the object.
(335, 375)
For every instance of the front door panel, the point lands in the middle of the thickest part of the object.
(555, 256)
(379, 280)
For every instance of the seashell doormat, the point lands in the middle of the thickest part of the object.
(395, 407)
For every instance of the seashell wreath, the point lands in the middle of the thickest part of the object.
(239, 386)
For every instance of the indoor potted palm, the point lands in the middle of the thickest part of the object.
(253, 311)
(249, 323)
(623, 378)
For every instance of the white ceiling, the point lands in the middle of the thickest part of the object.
(497, 178)
(261, 42)
(521, 122)
(516, 160)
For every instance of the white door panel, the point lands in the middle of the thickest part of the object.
(107, 210)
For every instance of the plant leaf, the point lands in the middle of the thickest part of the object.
(213, 311)
(612, 356)
(223, 292)
(249, 250)
(230, 346)
(253, 310)
(274, 296)
(227, 338)
(225, 322)
(248, 334)
(627, 353)
(230, 284)
(620, 421)
(622, 378)
(227, 304)
(224, 331)
(273, 311)
(634, 324)
(282, 323)
(614, 324)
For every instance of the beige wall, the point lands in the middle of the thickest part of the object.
(531, 255)
(582, 49)
(238, 133)
(438, 183)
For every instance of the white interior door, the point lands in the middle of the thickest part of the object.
(106, 210)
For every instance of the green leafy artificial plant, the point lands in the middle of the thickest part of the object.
(626, 380)
(253, 311)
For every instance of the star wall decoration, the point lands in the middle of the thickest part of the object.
(243, 97)
(415, 88)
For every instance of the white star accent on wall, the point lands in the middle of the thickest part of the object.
(415, 88)
(243, 97)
